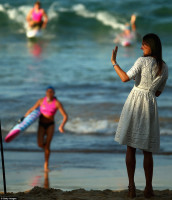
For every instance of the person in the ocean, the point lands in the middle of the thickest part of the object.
(37, 17)
(129, 33)
(138, 126)
(48, 107)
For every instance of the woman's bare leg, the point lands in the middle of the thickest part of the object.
(50, 133)
(148, 168)
(40, 136)
(46, 180)
(131, 164)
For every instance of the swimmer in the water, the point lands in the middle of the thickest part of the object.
(37, 17)
(129, 31)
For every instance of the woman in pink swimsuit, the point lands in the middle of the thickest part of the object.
(37, 16)
(48, 107)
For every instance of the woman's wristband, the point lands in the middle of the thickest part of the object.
(115, 64)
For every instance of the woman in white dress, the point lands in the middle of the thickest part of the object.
(138, 125)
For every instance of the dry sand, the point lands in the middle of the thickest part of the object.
(38, 193)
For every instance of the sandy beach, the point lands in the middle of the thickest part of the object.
(38, 193)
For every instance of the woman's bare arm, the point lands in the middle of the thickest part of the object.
(133, 20)
(29, 15)
(123, 75)
(64, 114)
(45, 19)
(37, 104)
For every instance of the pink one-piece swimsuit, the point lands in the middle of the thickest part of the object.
(48, 109)
(37, 16)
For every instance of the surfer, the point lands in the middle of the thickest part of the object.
(129, 33)
(37, 17)
(48, 107)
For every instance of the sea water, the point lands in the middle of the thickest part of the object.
(74, 56)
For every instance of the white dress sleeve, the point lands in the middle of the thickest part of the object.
(136, 68)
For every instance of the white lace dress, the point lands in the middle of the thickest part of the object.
(138, 126)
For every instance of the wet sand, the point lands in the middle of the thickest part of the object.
(103, 176)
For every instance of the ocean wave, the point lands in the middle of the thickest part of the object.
(102, 127)
(18, 14)
(75, 126)
(104, 17)
(80, 126)
(11, 14)
(165, 131)
(91, 126)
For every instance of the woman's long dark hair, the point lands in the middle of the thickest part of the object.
(154, 42)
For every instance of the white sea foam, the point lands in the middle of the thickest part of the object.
(16, 14)
(52, 11)
(108, 20)
(104, 17)
(2, 8)
(19, 14)
(61, 9)
(165, 131)
(82, 11)
(104, 126)
(89, 126)
(81, 126)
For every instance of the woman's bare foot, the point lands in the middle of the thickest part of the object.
(131, 191)
(148, 192)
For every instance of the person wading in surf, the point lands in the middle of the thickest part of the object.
(129, 31)
(48, 107)
(37, 17)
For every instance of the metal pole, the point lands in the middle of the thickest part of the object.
(2, 159)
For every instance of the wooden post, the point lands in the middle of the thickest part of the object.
(2, 159)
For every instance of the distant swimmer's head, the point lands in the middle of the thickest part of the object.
(127, 26)
(50, 92)
(127, 30)
(37, 5)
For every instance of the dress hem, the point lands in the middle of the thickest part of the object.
(136, 146)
